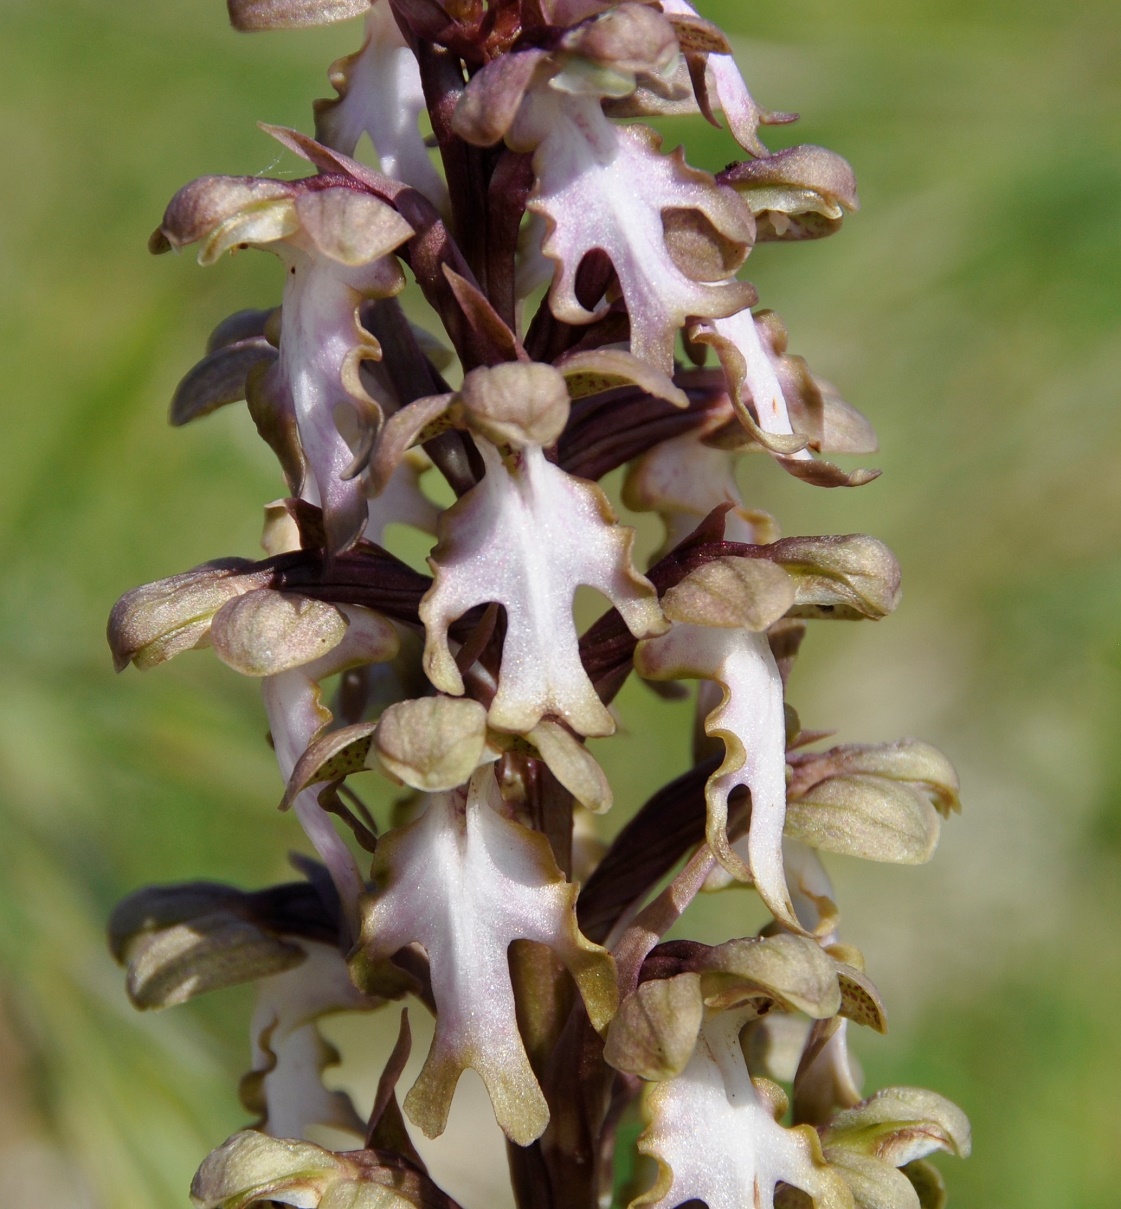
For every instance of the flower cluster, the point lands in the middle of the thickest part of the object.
(591, 317)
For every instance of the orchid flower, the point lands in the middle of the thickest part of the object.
(676, 243)
(519, 511)
(713, 1108)
(334, 243)
(291, 643)
(271, 635)
(178, 942)
(750, 720)
(464, 882)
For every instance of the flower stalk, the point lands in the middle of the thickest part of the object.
(587, 314)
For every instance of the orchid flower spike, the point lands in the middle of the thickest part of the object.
(521, 329)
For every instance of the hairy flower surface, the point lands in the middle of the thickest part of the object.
(585, 192)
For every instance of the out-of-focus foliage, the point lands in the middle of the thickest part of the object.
(972, 311)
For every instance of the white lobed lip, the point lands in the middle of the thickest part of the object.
(527, 538)
(716, 1138)
(586, 168)
(380, 95)
(465, 881)
(750, 721)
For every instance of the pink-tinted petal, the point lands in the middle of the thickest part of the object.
(527, 537)
(464, 882)
(715, 1137)
(750, 720)
(380, 95)
(586, 170)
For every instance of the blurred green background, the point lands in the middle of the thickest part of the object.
(972, 310)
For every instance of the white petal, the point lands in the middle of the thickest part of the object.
(287, 1044)
(761, 384)
(464, 882)
(751, 722)
(527, 538)
(716, 1139)
(381, 95)
(587, 173)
